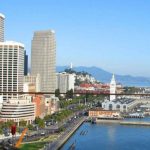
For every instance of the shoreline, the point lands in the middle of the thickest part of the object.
(71, 133)
(60, 142)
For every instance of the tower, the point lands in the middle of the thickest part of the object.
(43, 59)
(71, 66)
(113, 88)
(25, 63)
(11, 68)
(2, 18)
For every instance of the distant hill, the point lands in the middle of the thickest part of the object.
(105, 76)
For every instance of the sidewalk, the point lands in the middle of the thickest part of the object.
(2, 137)
(64, 136)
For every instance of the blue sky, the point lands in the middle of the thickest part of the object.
(111, 34)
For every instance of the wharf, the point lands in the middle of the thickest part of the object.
(103, 121)
(121, 122)
(135, 123)
(128, 116)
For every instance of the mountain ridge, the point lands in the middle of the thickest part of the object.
(105, 76)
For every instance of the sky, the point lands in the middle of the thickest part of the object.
(111, 34)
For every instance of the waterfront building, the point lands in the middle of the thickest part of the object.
(113, 88)
(11, 68)
(103, 114)
(43, 59)
(2, 18)
(17, 109)
(65, 82)
(32, 83)
(25, 63)
(122, 104)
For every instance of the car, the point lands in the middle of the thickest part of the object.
(7, 134)
(42, 133)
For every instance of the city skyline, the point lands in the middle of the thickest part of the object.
(110, 35)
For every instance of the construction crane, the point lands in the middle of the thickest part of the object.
(17, 145)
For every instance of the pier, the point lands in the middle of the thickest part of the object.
(135, 123)
(121, 122)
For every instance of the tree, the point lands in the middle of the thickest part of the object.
(37, 120)
(40, 122)
(30, 127)
(22, 123)
(9, 123)
(1, 131)
(70, 71)
(69, 94)
(57, 93)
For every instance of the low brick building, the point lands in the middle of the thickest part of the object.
(100, 113)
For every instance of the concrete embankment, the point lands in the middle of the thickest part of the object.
(121, 122)
(108, 121)
(135, 123)
(61, 142)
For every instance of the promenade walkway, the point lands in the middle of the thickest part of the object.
(65, 135)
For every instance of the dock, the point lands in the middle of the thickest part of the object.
(121, 122)
(135, 123)
(105, 121)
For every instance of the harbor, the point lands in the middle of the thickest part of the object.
(105, 136)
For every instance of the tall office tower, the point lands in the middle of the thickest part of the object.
(2, 17)
(11, 68)
(25, 63)
(43, 59)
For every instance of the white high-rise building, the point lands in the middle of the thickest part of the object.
(65, 82)
(2, 18)
(113, 88)
(11, 68)
(43, 59)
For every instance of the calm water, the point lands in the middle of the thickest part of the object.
(110, 137)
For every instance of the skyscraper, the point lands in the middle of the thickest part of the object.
(11, 68)
(25, 63)
(2, 17)
(43, 59)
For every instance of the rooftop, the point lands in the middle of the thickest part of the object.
(123, 101)
(1, 15)
(44, 32)
(101, 109)
(12, 43)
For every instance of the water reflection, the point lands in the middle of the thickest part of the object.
(110, 137)
(111, 134)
